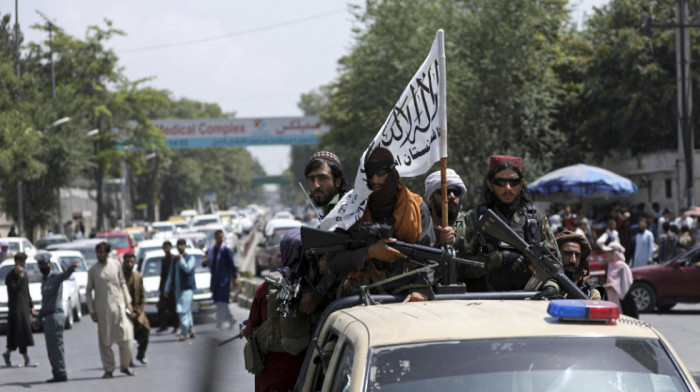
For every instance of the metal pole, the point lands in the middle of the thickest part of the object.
(685, 99)
(53, 78)
(20, 201)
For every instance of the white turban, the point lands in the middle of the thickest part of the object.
(432, 182)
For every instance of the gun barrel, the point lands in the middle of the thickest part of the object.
(434, 254)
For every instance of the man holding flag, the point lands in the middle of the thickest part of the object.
(393, 204)
(412, 139)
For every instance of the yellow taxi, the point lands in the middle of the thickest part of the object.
(490, 345)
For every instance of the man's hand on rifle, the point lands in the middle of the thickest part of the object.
(447, 234)
(381, 251)
(516, 261)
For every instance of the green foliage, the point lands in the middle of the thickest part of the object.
(502, 90)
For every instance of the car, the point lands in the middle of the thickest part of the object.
(49, 239)
(470, 342)
(232, 218)
(283, 215)
(163, 229)
(137, 233)
(230, 236)
(19, 244)
(119, 241)
(597, 267)
(150, 270)
(661, 286)
(204, 220)
(71, 296)
(269, 256)
(156, 244)
(65, 258)
(86, 247)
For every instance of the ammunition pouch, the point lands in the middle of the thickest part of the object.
(253, 357)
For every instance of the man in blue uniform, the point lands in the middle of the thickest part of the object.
(52, 314)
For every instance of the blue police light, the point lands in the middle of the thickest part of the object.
(576, 309)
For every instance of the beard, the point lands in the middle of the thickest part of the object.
(508, 209)
(322, 199)
(452, 210)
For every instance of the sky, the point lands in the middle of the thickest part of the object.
(254, 58)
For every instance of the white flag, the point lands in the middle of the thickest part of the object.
(411, 133)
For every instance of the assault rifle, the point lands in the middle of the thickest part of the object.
(492, 225)
(287, 292)
(318, 241)
(240, 334)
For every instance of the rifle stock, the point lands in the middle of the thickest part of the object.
(492, 225)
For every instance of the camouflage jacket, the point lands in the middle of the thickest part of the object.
(475, 245)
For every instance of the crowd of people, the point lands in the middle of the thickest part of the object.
(115, 300)
(648, 236)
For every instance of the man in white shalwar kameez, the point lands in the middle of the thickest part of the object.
(108, 310)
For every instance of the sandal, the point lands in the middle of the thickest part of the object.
(181, 337)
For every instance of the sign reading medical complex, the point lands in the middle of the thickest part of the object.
(227, 132)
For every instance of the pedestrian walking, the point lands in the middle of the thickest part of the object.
(20, 312)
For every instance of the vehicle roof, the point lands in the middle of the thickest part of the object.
(53, 235)
(157, 241)
(163, 223)
(465, 320)
(205, 216)
(112, 234)
(70, 253)
(13, 239)
(91, 242)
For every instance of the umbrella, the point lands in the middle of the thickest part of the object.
(582, 180)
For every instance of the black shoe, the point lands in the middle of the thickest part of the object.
(143, 360)
(161, 329)
(107, 375)
(132, 364)
(6, 357)
(61, 379)
(128, 372)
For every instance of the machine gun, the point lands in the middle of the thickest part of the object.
(240, 334)
(318, 241)
(492, 225)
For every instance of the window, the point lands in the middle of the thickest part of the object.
(669, 188)
(343, 372)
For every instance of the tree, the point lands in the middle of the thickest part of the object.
(502, 91)
(622, 72)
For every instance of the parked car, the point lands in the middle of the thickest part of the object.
(85, 247)
(163, 229)
(49, 239)
(150, 270)
(137, 233)
(268, 255)
(487, 345)
(661, 286)
(120, 242)
(71, 296)
(65, 258)
(19, 244)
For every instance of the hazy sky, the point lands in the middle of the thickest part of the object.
(254, 58)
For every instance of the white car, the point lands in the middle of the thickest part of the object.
(65, 258)
(204, 220)
(233, 219)
(157, 244)
(19, 244)
(481, 344)
(163, 229)
(71, 295)
(283, 215)
(150, 270)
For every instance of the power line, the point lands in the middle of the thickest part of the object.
(234, 34)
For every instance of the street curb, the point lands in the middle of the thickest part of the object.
(243, 296)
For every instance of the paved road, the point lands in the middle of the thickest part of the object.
(174, 366)
(198, 365)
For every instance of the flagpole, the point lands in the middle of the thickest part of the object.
(442, 122)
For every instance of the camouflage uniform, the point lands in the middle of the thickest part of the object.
(473, 244)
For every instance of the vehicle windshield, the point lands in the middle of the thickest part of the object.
(66, 260)
(206, 221)
(151, 267)
(44, 242)
(31, 269)
(117, 242)
(13, 246)
(526, 364)
(162, 228)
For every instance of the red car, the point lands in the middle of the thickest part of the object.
(597, 268)
(120, 242)
(661, 286)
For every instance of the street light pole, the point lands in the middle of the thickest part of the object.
(20, 201)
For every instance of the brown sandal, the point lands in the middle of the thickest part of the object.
(181, 337)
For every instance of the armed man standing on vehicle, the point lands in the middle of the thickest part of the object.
(327, 185)
(393, 204)
(507, 269)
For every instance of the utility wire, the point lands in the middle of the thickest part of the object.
(237, 33)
